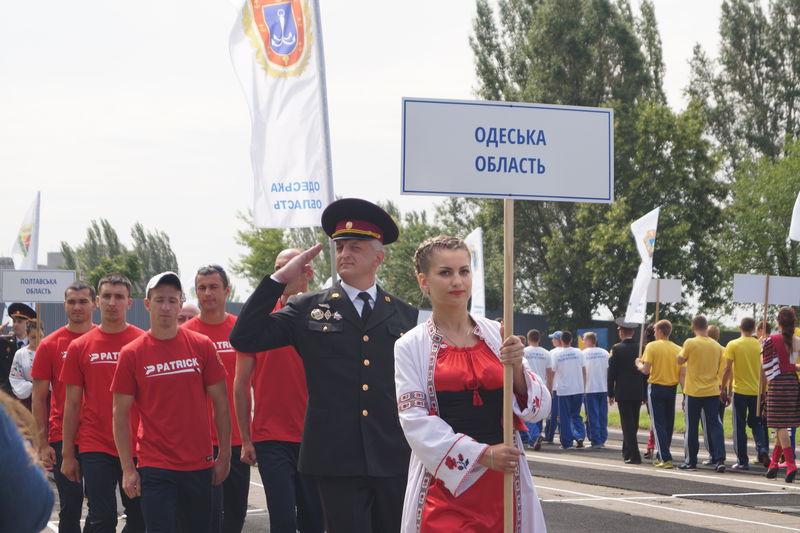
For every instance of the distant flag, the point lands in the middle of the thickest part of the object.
(644, 233)
(474, 242)
(25, 250)
(276, 50)
(794, 229)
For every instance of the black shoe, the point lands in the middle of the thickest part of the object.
(764, 459)
(720, 467)
(633, 461)
(687, 466)
(648, 454)
(538, 444)
(579, 443)
(772, 473)
(790, 476)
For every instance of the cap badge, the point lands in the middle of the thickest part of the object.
(349, 225)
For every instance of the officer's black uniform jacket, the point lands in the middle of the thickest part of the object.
(8, 348)
(351, 425)
(625, 381)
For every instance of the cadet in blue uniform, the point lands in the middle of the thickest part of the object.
(9, 344)
(352, 441)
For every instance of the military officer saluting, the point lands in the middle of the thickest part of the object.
(352, 441)
(9, 344)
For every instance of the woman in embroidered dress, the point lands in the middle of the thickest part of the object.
(449, 377)
(20, 375)
(779, 360)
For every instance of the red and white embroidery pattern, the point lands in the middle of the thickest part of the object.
(411, 399)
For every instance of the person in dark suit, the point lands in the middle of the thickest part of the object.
(9, 344)
(626, 386)
(352, 441)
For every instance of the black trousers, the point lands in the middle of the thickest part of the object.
(292, 497)
(102, 477)
(229, 507)
(362, 504)
(174, 500)
(629, 420)
(70, 496)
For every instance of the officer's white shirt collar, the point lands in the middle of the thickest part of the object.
(353, 293)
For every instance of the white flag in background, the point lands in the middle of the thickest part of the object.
(276, 49)
(474, 242)
(644, 233)
(25, 250)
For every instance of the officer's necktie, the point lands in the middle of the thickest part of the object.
(19, 344)
(366, 310)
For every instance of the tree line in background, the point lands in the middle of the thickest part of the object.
(724, 170)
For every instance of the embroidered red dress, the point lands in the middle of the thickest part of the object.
(469, 389)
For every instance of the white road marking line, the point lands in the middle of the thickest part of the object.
(661, 497)
(663, 508)
(658, 471)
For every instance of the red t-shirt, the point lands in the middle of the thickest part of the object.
(280, 395)
(47, 365)
(168, 380)
(90, 363)
(220, 336)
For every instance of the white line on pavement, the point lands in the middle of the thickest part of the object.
(656, 471)
(663, 508)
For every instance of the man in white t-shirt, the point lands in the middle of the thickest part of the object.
(552, 418)
(540, 362)
(596, 360)
(569, 370)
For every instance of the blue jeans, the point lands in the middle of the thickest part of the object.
(70, 497)
(534, 431)
(102, 476)
(744, 413)
(292, 497)
(230, 497)
(174, 500)
(552, 419)
(661, 403)
(570, 424)
(597, 413)
(708, 408)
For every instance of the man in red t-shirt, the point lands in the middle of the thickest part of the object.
(168, 374)
(79, 303)
(280, 396)
(230, 499)
(87, 373)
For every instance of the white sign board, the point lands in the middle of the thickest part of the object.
(669, 291)
(35, 285)
(750, 289)
(508, 150)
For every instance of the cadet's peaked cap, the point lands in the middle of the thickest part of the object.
(628, 325)
(354, 218)
(19, 310)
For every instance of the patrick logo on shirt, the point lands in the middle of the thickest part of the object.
(179, 366)
(103, 357)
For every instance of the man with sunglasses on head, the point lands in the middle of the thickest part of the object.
(230, 498)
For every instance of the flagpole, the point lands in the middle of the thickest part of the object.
(326, 121)
(508, 371)
(658, 295)
(764, 331)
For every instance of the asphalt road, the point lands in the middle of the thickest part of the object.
(592, 489)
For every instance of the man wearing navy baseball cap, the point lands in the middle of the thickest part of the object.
(345, 335)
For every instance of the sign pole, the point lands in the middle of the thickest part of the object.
(761, 368)
(658, 296)
(508, 372)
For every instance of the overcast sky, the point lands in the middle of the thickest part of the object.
(132, 112)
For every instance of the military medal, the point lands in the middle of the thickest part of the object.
(316, 314)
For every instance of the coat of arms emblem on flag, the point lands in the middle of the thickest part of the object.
(24, 239)
(280, 32)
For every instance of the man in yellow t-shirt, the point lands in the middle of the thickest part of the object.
(701, 386)
(659, 363)
(742, 364)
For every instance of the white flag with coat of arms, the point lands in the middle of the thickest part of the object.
(794, 229)
(276, 50)
(25, 250)
(644, 234)
(474, 242)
